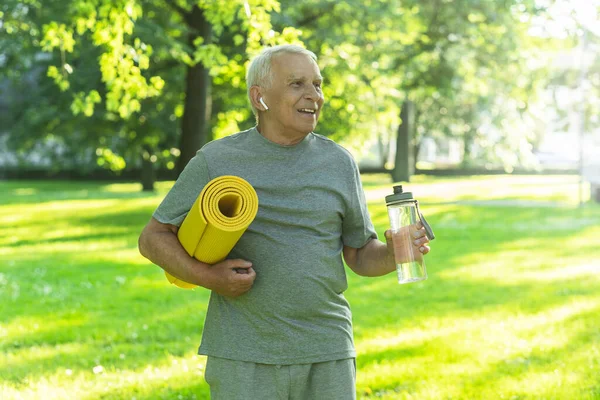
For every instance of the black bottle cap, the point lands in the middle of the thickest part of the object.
(399, 195)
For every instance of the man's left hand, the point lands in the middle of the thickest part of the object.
(410, 243)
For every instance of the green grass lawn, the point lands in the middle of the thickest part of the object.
(511, 309)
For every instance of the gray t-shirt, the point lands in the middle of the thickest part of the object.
(311, 203)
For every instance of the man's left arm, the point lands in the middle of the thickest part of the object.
(376, 258)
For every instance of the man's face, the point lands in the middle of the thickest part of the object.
(295, 97)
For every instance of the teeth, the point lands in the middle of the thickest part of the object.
(308, 110)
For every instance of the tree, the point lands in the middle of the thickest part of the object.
(450, 56)
(123, 72)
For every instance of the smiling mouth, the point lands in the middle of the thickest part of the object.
(309, 111)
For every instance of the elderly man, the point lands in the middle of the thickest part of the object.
(278, 325)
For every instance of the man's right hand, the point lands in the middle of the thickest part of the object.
(158, 243)
(231, 278)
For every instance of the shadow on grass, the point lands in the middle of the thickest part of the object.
(72, 238)
(488, 379)
(34, 192)
(538, 359)
(438, 298)
(110, 224)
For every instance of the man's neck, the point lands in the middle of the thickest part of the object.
(282, 138)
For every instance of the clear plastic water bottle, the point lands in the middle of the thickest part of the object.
(404, 214)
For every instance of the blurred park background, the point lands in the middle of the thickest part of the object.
(488, 110)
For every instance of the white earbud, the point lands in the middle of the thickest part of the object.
(263, 103)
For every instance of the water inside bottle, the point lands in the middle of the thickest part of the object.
(411, 272)
(410, 264)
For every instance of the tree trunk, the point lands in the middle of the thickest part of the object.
(383, 151)
(404, 165)
(198, 101)
(468, 140)
(416, 144)
(148, 173)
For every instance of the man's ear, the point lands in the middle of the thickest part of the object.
(255, 96)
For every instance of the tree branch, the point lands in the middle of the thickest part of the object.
(314, 17)
(185, 14)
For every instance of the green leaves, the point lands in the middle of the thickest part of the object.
(122, 61)
(60, 78)
(85, 103)
(106, 158)
(210, 55)
(57, 36)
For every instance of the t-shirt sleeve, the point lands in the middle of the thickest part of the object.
(179, 200)
(357, 228)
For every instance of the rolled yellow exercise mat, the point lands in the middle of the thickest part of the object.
(220, 215)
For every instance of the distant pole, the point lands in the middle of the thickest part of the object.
(582, 74)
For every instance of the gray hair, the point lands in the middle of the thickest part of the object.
(259, 71)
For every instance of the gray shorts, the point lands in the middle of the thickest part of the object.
(239, 380)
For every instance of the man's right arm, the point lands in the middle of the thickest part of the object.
(158, 242)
